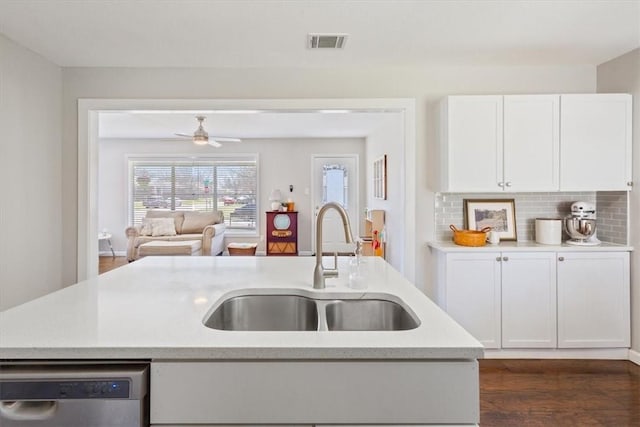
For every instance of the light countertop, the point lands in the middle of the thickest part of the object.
(449, 246)
(154, 309)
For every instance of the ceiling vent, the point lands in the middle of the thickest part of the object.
(326, 41)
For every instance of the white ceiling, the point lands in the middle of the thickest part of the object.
(272, 33)
(261, 124)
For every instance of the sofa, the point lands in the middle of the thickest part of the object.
(174, 226)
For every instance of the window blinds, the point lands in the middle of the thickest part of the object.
(227, 185)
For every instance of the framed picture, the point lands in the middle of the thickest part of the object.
(499, 214)
(380, 178)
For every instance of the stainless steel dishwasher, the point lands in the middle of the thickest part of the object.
(78, 395)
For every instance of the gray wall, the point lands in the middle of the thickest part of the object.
(30, 170)
(622, 74)
(426, 84)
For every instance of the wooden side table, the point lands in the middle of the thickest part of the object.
(282, 233)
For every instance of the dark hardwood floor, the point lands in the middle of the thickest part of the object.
(554, 393)
(559, 393)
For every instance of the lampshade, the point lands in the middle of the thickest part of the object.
(276, 195)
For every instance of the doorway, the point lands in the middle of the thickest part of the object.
(88, 110)
(335, 179)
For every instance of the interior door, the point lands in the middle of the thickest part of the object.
(335, 179)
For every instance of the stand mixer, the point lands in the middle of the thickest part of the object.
(580, 224)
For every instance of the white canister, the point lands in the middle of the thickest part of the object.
(493, 237)
(549, 231)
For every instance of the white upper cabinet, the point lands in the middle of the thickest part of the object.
(595, 144)
(531, 143)
(500, 143)
(471, 153)
(523, 143)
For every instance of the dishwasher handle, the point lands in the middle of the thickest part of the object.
(26, 410)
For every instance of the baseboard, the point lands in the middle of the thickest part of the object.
(634, 356)
(108, 253)
(595, 353)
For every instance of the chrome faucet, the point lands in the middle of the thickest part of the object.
(320, 273)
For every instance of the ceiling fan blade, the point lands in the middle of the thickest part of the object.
(184, 135)
(225, 139)
(215, 144)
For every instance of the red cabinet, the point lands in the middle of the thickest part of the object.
(282, 233)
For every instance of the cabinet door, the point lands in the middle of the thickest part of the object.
(529, 300)
(472, 143)
(531, 143)
(595, 141)
(593, 299)
(473, 294)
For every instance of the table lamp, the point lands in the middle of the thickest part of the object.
(275, 199)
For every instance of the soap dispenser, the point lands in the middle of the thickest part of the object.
(356, 279)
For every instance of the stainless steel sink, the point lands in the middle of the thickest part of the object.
(265, 313)
(288, 312)
(368, 315)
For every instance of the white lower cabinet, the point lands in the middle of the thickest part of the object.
(593, 300)
(529, 300)
(538, 300)
(472, 294)
(505, 299)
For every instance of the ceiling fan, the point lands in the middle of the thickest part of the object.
(201, 136)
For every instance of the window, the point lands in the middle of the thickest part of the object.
(204, 184)
(335, 184)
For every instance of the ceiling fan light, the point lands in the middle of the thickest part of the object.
(200, 139)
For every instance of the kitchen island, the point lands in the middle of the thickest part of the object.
(153, 310)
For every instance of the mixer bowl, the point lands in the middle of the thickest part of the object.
(579, 228)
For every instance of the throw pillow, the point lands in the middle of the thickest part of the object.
(163, 227)
(146, 227)
(195, 222)
(178, 217)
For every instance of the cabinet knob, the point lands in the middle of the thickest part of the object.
(505, 258)
(501, 184)
(498, 259)
(508, 184)
(560, 258)
(630, 183)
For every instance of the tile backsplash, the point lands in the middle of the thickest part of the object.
(611, 210)
(613, 221)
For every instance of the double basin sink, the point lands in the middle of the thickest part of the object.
(285, 311)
